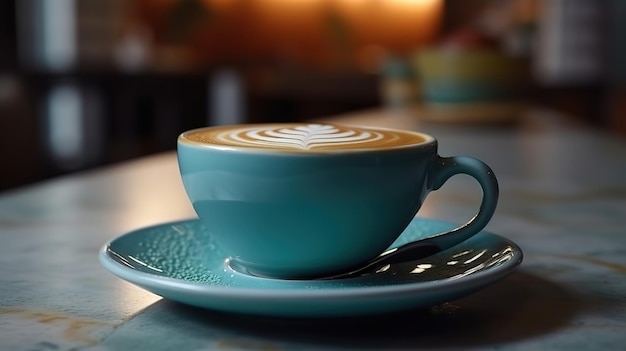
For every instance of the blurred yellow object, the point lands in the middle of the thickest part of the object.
(452, 75)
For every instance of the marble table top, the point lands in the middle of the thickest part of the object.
(563, 200)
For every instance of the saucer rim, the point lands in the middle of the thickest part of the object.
(151, 281)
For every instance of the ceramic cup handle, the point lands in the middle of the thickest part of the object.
(440, 172)
(445, 168)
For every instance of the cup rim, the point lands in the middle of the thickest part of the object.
(183, 139)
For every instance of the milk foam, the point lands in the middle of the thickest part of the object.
(304, 137)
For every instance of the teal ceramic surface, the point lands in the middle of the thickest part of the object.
(181, 261)
(302, 214)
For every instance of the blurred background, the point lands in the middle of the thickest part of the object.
(85, 83)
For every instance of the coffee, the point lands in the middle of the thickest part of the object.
(302, 137)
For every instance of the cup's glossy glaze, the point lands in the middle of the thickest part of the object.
(291, 215)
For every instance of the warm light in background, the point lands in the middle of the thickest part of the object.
(313, 33)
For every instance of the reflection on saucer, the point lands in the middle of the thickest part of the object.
(180, 261)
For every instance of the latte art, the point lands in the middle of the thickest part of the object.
(304, 137)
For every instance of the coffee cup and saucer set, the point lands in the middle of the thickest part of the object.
(314, 220)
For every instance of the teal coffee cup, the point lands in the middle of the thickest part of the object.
(296, 201)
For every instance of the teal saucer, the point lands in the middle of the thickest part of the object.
(180, 261)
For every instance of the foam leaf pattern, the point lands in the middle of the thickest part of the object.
(306, 137)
